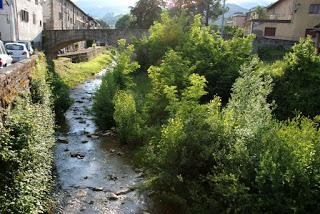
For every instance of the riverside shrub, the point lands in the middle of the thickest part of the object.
(237, 158)
(126, 117)
(117, 79)
(167, 33)
(26, 141)
(217, 59)
(296, 88)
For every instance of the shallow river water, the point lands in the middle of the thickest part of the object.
(92, 176)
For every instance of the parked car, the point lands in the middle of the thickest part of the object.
(28, 45)
(17, 51)
(5, 59)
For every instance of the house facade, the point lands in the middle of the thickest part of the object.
(287, 20)
(66, 15)
(22, 20)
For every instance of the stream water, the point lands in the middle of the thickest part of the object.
(92, 175)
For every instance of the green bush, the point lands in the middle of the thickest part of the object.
(117, 79)
(165, 34)
(237, 158)
(174, 71)
(126, 118)
(60, 91)
(26, 142)
(296, 88)
(229, 155)
(270, 54)
(217, 59)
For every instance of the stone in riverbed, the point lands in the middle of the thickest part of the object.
(94, 137)
(112, 177)
(124, 191)
(107, 133)
(63, 140)
(120, 153)
(77, 155)
(113, 197)
(97, 189)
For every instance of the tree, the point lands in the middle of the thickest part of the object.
(146, 12)
(261, 12)
(125, 22)
(209, 9)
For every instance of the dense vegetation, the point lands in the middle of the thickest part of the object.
(26, 141)
(208, 121)
(146, 12)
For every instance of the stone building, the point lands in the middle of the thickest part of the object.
(66, 15)
(21, 20)
(239, 20)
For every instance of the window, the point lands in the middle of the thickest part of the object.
(24, 16)
(40, 23)
(14, 47)
(314, 9)
(60, 15)
(37, 1)
(311, 32)
(270, 31)
(34, 19)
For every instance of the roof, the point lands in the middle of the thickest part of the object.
(274, 4)
(272, 20)
(239, 14)
(76, 6)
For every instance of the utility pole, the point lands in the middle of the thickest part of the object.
(222, 24)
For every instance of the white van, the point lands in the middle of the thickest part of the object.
(17, 51)
(5, 59)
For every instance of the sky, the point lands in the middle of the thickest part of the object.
(121, 3)
(99, 8)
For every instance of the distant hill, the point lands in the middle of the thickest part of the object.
(111, 19)
(233, 9)
(250, 5)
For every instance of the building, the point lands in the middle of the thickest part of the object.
(286, 20)
(22, 20)
(239, 20)
(66, 15)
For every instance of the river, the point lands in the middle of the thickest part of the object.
(93, 173)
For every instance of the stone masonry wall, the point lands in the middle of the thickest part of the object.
(263, 42)
(14, 80)
(83, 55)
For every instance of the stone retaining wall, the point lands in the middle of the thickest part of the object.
(15, 80)
(263, 42)
(83, 55)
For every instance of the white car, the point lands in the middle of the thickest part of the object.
(28, 45)
(5, 59)
(18, 51)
